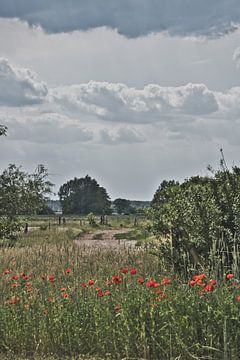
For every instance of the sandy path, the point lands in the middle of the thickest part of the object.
(108, 240)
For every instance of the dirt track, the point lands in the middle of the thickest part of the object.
(107, 239)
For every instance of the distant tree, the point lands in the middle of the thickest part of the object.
(123, 206)
(3, 130)
(84, 196)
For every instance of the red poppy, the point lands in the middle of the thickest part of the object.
(51, 278)
(124, 270)
(166, 281)
(50, 300)
(151, 283)
(213, 282)
(238, 297)
(91, 282)
(230, 276)
(107, 293)
(117, 308)
(66, 296)
(68, 271)
(13, 301)
(6, 272)
(199, 277)
(133, 271)
(209, 288)
(15, 277)
(116, 279)
(28, 284)
(84, 285)
(26, 278)
(15, 285)
(63, 289)
(140, 281)
(100, 294)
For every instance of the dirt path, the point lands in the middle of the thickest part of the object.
(106, 239)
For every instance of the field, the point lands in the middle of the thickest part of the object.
(62, 299)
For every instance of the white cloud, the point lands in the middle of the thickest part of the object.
(131, 18)
(19, 86)
(120, 103)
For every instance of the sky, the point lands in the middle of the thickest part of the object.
(130, 92)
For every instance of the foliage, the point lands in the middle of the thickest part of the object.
(83, 196)
(123, 206)
(3, 130)
(20, 194)
(198, 213)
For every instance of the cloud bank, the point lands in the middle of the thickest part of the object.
(132, 18)
(20, 87)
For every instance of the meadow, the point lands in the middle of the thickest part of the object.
(63, 301)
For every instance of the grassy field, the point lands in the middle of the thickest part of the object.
(61, 301)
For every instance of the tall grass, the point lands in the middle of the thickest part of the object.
(68, 302)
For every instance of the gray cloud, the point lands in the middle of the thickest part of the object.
(131, 18)
(20, 87)
(48, 128)
(236, 56)
(121, 136)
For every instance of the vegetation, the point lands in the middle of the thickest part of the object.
(83, 196)
(20, 193)
(197, 215)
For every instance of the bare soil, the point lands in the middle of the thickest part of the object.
(107, 239)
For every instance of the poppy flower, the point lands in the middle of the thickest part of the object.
(230, 276)
(140, 281)
(63, 289)
(107, 293)
(91, 282)
(166, 281)
(209, 288)
(68, 271)
(100, 294)
(151, 283)
(26, 278)
(117, 308)
(28, 284)
(84, 285)
(116, 279)
(238, 297)
(6, 272)
(66, 296)
(124, 270)
(12, 301)
(15, 277)
(51, 278)
(133, 271)
(15, 285)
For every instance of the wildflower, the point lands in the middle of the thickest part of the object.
(230, 276)
(100, 294)
(161, 297)
(133, 271)
(63, 289)
(91, 282)
(238, 297)
(166, 281)
(107, 293)
(213, 282)
(28, 284)
(117, 308)
(12, 301)
(66, 296)
(98, 289)
(45, 312)
(140, 281)
(26, 278)
(68, 271)
(50, 300)
(199, 277)
(124, 270)
(15, 285)
(116, 279)
(151, 283)
(84, 285)
(159, 292)
(209, 288)
(51, 278)
(15, 277)
(6, 272)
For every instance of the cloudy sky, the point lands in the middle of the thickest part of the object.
(131, 92)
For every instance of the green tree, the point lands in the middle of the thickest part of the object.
(3, 130)
(123, 206)
(83, 196)
(21, 193)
